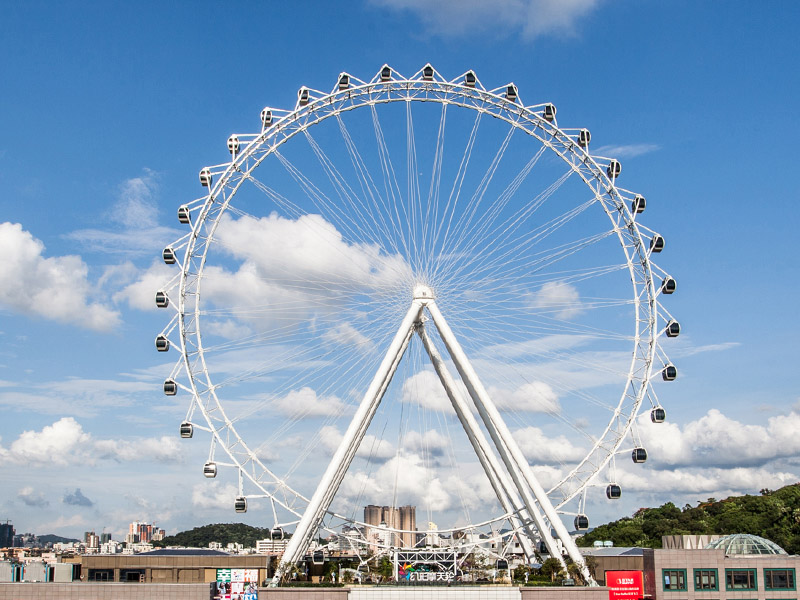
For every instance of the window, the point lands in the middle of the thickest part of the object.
(705, 579)
(740, 579)
(674, 580)
(779, 579)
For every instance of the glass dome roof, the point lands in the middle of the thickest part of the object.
(745, 543)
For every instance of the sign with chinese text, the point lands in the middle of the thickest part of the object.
(624, 585)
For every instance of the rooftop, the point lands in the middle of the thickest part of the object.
(745, 543)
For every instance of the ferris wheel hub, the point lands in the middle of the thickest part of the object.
(423, 292)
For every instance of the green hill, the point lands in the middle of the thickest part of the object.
(225, 533)
(774, 515)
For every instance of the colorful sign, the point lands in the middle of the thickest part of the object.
(407, 572)
(624, 585)
(236, 584)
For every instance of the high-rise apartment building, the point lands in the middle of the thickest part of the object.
(6, 535)
(404, 518)
(144, 532)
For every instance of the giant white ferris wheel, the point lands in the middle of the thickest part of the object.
(417, 290)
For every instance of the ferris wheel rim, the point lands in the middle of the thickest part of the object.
(369, 93)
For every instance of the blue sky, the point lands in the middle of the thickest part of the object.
(107, 114)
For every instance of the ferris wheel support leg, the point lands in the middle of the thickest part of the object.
(512, 456)
(332, 478)
(502, 486)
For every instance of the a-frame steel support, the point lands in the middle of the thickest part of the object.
(533, 496)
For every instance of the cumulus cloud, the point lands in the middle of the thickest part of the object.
(540, 449)
(404, 477)
(163, 449)
(32, 498)
(717, 482)
(557, 298)
(531, 18)
(56, 444)
(55, 288)
(289, 271)
(140, 294)
(306, 403)
(431, 442)
(716, 440)
(308, 249)
(65, 442)
(535, 396)
(77, 498)
(426, 390)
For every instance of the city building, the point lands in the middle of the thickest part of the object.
(733, 567)
(144, 532)
(6, 535)
(403, 518)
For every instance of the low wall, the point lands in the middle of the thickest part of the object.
(103, 591)
(199, 591)
(564, 593)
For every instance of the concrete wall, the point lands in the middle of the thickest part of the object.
(564, 593)
(101, 591)
(154, 591)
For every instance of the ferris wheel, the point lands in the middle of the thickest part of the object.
(417, 290)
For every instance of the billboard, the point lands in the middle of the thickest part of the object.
(235, 584)
(624, 585)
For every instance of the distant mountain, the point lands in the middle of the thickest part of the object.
(774, 515)
(55, 539)
(224, 533)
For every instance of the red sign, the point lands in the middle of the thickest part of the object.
(624, 585)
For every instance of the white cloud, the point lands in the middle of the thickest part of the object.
(141, 293)
(32, 498)
(135, 215)
(686, 349)
(535, 396)
(715, 440)
(626, 151)
(56, 444)
(308, 251)
(136, 207)
(430, 442)
(55, 288)
(558, 299)
(540, 449)
(371, 446)
(345, 334)
(213, 494)
(716, 482)
(426, 390)
(62, 523)
(404, 477)
(65, 442)
(532, 18)
(306, 403)
(84, 397)
(163, 449)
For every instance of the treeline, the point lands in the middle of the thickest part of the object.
(774, 515)
(225, 533)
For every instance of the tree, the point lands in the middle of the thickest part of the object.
(551, 568)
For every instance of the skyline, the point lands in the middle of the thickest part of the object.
(122, 121)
